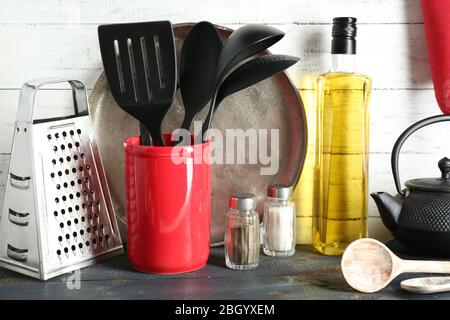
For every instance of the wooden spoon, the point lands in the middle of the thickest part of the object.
(426, 285)
(369, 266)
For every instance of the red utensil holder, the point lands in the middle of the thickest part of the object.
(168, 206)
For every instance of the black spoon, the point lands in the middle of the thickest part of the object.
(250, 73)
(242, 44)
(199, 58)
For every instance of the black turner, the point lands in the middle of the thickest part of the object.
(140, 64)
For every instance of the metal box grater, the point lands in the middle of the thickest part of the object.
(57, 214)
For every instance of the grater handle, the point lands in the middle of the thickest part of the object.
(27, 98)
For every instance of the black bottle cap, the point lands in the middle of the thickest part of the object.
(344, 34)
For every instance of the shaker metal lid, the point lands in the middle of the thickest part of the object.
(441, 184)
(282, 191)
(242, 201)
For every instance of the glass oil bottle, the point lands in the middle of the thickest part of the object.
(305, 192)
(342, 142)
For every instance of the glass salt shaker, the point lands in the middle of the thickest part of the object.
(279, 222)
(242, 242)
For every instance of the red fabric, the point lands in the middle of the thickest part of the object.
(436, 14)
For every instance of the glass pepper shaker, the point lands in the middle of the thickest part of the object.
(279, 222)
(242, 243)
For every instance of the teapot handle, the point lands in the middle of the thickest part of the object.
(399, 143)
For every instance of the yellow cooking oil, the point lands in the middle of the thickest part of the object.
(342, 143)
(305, 192)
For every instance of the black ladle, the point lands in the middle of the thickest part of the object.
(242, 44)
(199, 58)
(250, 73)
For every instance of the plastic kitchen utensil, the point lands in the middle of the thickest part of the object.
(242, 44)
(419, 216)
(274, 104)
(57, 214)
(168, 206)
(199, 57)
(369, 266)
(250, 73)
(426, 285)
(140, 64)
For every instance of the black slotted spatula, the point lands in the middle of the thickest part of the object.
(140, 64)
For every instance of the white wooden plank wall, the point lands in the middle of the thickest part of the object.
(58, 38)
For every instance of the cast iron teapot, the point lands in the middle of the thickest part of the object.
(419, 216)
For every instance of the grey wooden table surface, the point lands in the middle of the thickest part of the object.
(303, 276)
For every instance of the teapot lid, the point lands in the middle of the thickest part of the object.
(441, 184)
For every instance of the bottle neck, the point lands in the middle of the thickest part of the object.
(345, 63)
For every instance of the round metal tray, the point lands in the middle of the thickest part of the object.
(271, 104)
